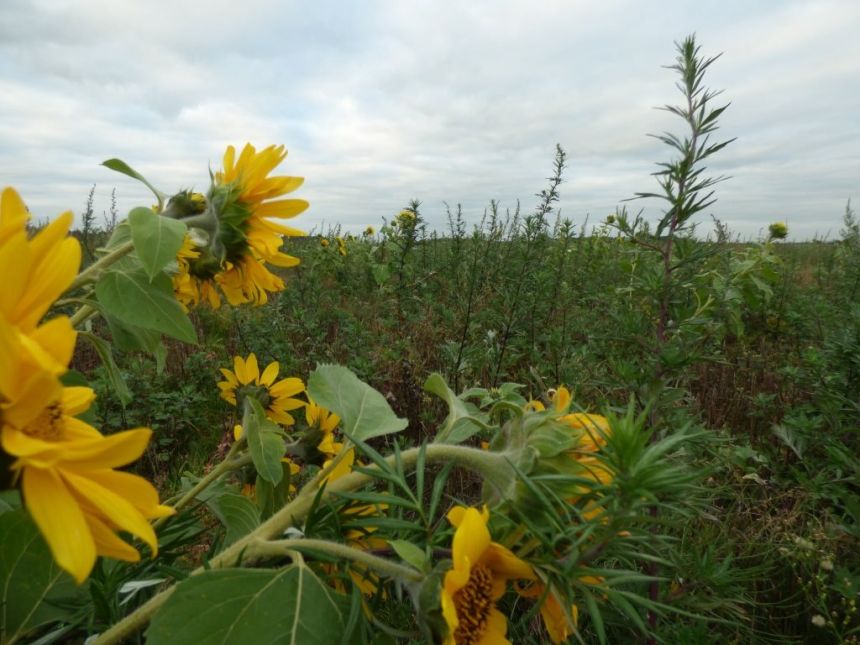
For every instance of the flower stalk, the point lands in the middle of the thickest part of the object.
(294, 512)
(383, 566)
(229, 464)
(93, 272)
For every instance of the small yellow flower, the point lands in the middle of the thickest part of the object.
(477, 579)
(324, 242)
(369, 231)
(275, 397)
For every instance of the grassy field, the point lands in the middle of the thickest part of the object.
(720, 504)
(760, 351)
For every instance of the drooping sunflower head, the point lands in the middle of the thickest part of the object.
(560, 447)
(275, 396)
(478, 576)
(241, 239)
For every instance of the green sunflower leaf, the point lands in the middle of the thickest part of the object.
(289, 605)
(464, 418)
(265, 441)
(410, 553)
(118, 165)
(364, 412)
(30, 581)
(156, 239)
(241, 516)
(127, 293)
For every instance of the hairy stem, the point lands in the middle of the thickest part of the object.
(229, 464)
(94, 271)
(293, 513)
(383, 566)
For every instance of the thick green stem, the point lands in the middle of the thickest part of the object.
(83, 314)
(273, 528)
(382, 566)
(229, 464)
(93, 272)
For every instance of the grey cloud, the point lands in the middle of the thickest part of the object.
(383, 101)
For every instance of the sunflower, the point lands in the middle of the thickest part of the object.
(477, 578)
(250, 173)
(325, 422)
(65, 466)
(362, 538)
(188, 288)
(241, 203)
(275, 397)
(68, 481)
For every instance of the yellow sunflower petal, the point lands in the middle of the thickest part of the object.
(449, 612)
(231, 378)
(77, 399)
(282, 208)
(270, 374)
(252, 370)
(111, 451)
(108, 544)
(32, 396)
(15, 260)
(60, 520)
(287, 387)
(133, 488)
(51, 277)
(504, 563)
(471, 539)
(112, 505)
(13, 214)
(497, 627)
(561, 400)
(56, 338)
(44, 241)
(240, 371)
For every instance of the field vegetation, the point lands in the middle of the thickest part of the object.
(727, 372)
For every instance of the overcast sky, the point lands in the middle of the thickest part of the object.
(382, 102)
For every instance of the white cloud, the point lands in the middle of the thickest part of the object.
(380, 102)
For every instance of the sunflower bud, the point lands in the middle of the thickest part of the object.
(778, 231)
(185, 203)
(556, 448)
